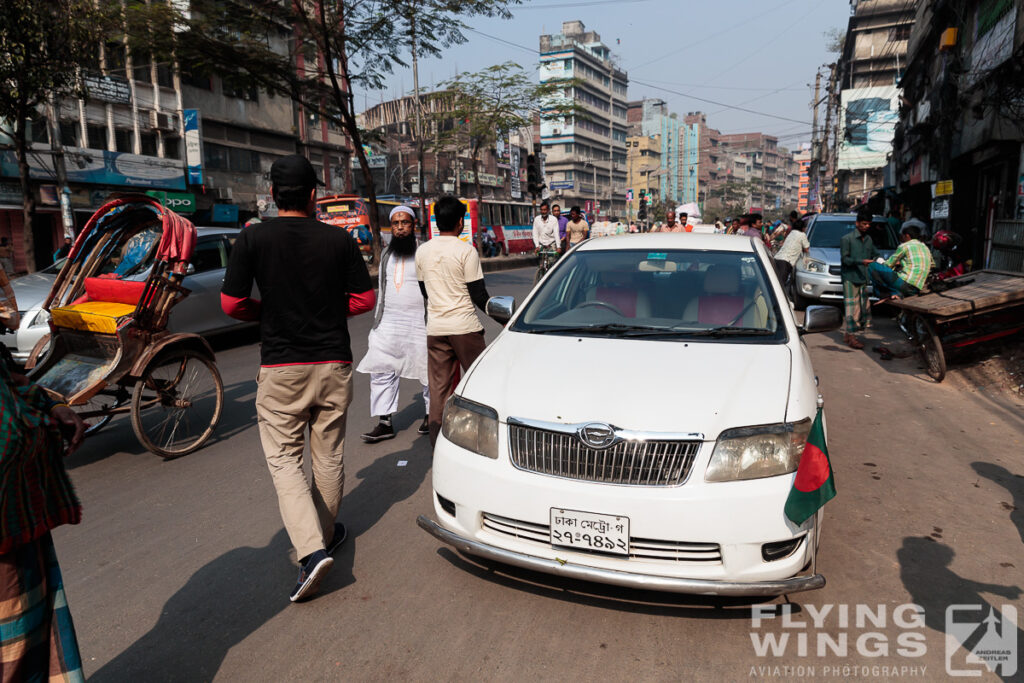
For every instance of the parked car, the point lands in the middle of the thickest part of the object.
(200, 312)
(660, 450)
(817, 280)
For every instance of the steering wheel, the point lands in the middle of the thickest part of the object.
(605, 304)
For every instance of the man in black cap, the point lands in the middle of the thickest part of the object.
(311, 278)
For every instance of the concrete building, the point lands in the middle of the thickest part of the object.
(643, 161)
(756, 158)
(585, 158)
(651, 118)
(874, 56)
(707, 158)
(803, 162)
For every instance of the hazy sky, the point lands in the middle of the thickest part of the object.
(760, 55)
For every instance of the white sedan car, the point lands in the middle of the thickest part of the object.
(639, 422)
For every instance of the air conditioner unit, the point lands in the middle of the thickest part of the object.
(224, 193)
(162, 121)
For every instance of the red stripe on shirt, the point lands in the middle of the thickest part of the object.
(240, 307)
(361, 302)
(315, 362)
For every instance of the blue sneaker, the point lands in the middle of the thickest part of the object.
(340, 534)
(310, 575)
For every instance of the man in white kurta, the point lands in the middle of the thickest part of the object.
(398, 340)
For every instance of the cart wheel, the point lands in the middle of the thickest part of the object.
(100, 402)
(176, 403)
(931, 349)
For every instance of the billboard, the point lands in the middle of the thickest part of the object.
(867, 125)
(193, 146)
(102, 168)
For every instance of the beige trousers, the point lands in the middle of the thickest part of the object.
(290, 400)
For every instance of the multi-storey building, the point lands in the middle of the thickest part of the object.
(874, 55)
(643, 161)
(803, 162)
(652, 118)
(585, 156)
(755, 158)
(707, 156)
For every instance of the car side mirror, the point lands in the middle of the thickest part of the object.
(191, 269)
(500, 308)
(821, 319)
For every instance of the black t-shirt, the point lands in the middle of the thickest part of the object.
(305, 271)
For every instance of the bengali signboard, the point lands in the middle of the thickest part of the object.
(112, 89)
(193, 146)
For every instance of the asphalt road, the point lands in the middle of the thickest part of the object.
(181, 570)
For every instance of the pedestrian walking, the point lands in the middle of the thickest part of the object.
(452, 282)
(398, 340)
(792, 250)
(857, 250)
(311, 277)
(556, 211)
(576, 230)
(37, 635)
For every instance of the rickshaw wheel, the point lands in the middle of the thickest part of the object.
(931, 349)
(176, 403)
(96, 403)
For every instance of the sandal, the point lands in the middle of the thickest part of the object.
(853, 342)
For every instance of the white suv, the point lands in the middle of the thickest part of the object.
(638, 422)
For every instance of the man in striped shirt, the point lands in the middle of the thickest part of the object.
(906, 271)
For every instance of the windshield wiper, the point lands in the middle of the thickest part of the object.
(732, 332)
(605, 328)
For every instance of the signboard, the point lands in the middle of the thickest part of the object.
(10, 192)
(101, 167)
(503, 151)
(994, 24)
(868, 118)
(107, 88)
(515, 182)
(266, 206)
(178, 202)
(224, 213)
(629, 195)
(562, 184)
(193, 146)
(940, 208)
(372, 160)
(485, 179)
(943, 188)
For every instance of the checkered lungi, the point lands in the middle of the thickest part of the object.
(856, 308)
(37, 637)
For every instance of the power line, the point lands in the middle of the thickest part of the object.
(582, 4)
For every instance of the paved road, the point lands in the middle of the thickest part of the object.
(181, 569)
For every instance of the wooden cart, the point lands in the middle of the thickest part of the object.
(977, 307)
(109, 351)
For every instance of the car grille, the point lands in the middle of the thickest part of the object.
(835, 270)
(637, 463)
(639, 548)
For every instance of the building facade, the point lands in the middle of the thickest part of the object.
(585, 156)
(643, 161)
(802, 160)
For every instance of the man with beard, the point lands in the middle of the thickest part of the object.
(398, 340)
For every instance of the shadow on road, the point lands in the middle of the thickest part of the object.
(606, 596)
(932, 584)
(1013, 483)
(219, 606)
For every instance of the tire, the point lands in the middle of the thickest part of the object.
(800, 303)
(100, 402)
(931, 351)
(177, 390)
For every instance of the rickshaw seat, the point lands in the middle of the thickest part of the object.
(92, 316)
(114, 290)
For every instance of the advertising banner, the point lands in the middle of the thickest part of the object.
(515, 183)
(867, 125)
(193, 146)
(503, 150)
(102, 168)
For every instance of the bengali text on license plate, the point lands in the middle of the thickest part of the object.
(590, 531)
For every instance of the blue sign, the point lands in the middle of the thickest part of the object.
(562, 185)
(101, 167)
(193, 146)
(224, 213)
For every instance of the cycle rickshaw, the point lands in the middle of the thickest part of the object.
(109, 351)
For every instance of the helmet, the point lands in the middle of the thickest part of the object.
(946, 240)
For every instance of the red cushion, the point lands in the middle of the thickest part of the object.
(619, 297)
(115, 291)
(718, 309)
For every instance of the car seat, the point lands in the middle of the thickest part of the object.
(722, 301)
(619, 289)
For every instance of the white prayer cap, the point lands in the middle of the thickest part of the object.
(401, 209)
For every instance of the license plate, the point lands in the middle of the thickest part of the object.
(590, 531)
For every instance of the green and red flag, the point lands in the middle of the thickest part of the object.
(814, 484)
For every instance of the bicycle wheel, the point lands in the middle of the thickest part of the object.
(541, 269)
(100, 403)
(177, 403)
(932, 353)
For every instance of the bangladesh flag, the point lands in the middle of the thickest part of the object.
(814, 485)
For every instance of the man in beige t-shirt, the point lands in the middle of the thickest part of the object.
(452, 282)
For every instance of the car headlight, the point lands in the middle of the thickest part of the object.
(813, 266)
(41, 318)
(756, 452)
(472, 426)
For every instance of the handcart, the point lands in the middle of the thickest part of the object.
(970, 309)
(109, 351)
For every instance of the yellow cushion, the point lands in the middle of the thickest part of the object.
(92, 316)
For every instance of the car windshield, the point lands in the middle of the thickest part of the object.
(665, 294)
(826, 233)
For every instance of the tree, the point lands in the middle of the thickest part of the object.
(42, 45)
(492, 102)
(331, 48)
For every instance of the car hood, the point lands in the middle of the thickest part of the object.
(831, 256)
(646, 385)
(31, 290)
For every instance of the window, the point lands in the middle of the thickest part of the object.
(148, 141)
(210, 254)
(203, 82)
(123, 140)
(69, 131)
(97, 136)
(172, 147)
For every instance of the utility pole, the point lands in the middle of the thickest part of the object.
(419, 116)
(59, 167)
(814, 177)
(826, 158)
(611, 130)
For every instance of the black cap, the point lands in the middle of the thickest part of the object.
(294, 170)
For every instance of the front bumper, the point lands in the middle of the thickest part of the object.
(820, 286)
(620, 578)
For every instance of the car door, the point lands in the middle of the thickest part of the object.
(200, 311)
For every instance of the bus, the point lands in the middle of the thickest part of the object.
(509, 223)
(352, 213)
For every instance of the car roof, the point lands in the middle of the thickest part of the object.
(670, 240)
(874, 217)
(203, 230)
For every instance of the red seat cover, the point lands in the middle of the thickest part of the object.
(115, 291)
(620, 297)
(718, 309)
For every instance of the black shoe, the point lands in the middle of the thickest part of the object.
(340, 534)
(381, 432)
(310, 575)
(424, 427)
